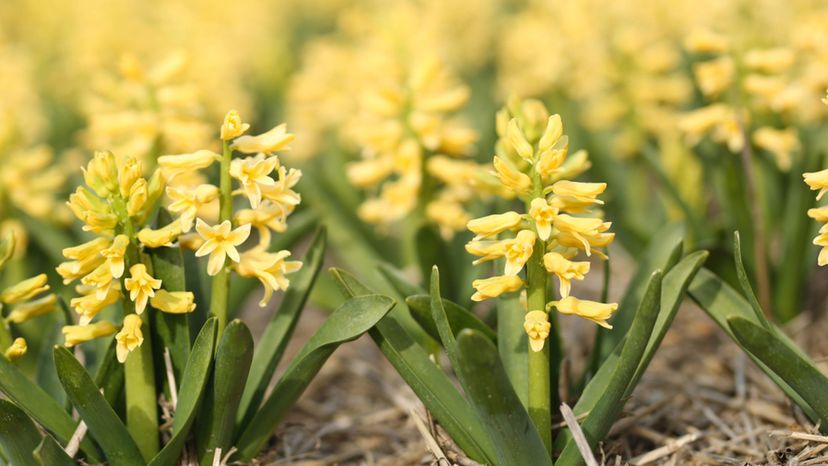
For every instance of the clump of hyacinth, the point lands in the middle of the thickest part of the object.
(20, 303)
(115, 205)
(411, 149)
(144, 112)
(266, 186)
(559, 223)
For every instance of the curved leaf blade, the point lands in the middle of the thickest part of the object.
(355, 317)
(104, 425)
(274, 340)
(18, 435)
(458, 317)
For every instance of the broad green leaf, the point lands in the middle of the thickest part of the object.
(458, 317)
(110, 375)
(103, 424)
(41, 407)
(512, 344)
(432, 250)
(515, 439)
(744, 281)
(801, 374)
(721, 303)
(434, 388)
(193, 382)
(275, 338)
(441, 323)
(662, 253)
(355, 317)
(232, 363)
(18, 435)
(49, 453)
(172, 331)
(399, 281)
(673, 288)
(598, 422)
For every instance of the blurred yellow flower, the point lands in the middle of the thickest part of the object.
(17, 349)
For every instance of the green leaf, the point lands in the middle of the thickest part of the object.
(18, 435)
(49, 453)
(103, 423)
(515, 439)
(355, 317)
(434, 388)
(193, 382)
(432, 251)
(41, 407)
(276, 335)
(458, 317)
(399, 281)
(603, 414)
(801, 374)
(110, 375)
(722, 303)
(663, 252)
(171, 330)
(512, 344)
(232, 363)
(744, 281)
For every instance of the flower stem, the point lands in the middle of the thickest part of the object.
(539, 374)
(219, 298)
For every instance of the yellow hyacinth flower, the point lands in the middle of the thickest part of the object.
(267, 143)
(587, 231)
(141, 286)
(233, 126)
(114, 255)
(162, 237)
(591, 310)
(220, 242)
(186, 202)
(26, 311)
(518, 251)
(487, 250)
(511, 177)
(89, 305)
(518, 141)
(129, 338)
(17, 349)
(174, 165)
(253, 173)
(565, 270)
(493, 287)
(268, 268)
(24, 290)
(173, 302)
(577, 197)
(537, 327)
(544, 215)
(817, 181)
(75, 334)
(491, 225)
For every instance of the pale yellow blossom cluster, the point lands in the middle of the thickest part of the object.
(259, 178)
(559, 222)
(115, 205)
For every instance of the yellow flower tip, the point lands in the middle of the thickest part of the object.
(518, 251)
(491, 225)
(511, 177)
(517, 139)
(233, 126)
(26, 311)
(130, 172)
(269, 269)
(129, 338)
(220, 242)
(101, 173)
(115, 254)
(591, 310)
(173, 302)
(24, 290)
(162, 237)
(253, 173)
(174, 165)
(91, 303)
(17, 349)
(187, 202)
(495, 286)
(537, 327)
(565, 270)
(141, 286)
(544, 215)
(817, 181)
(267, 143)
(75, 334)
(552, 134)
(138, 197)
